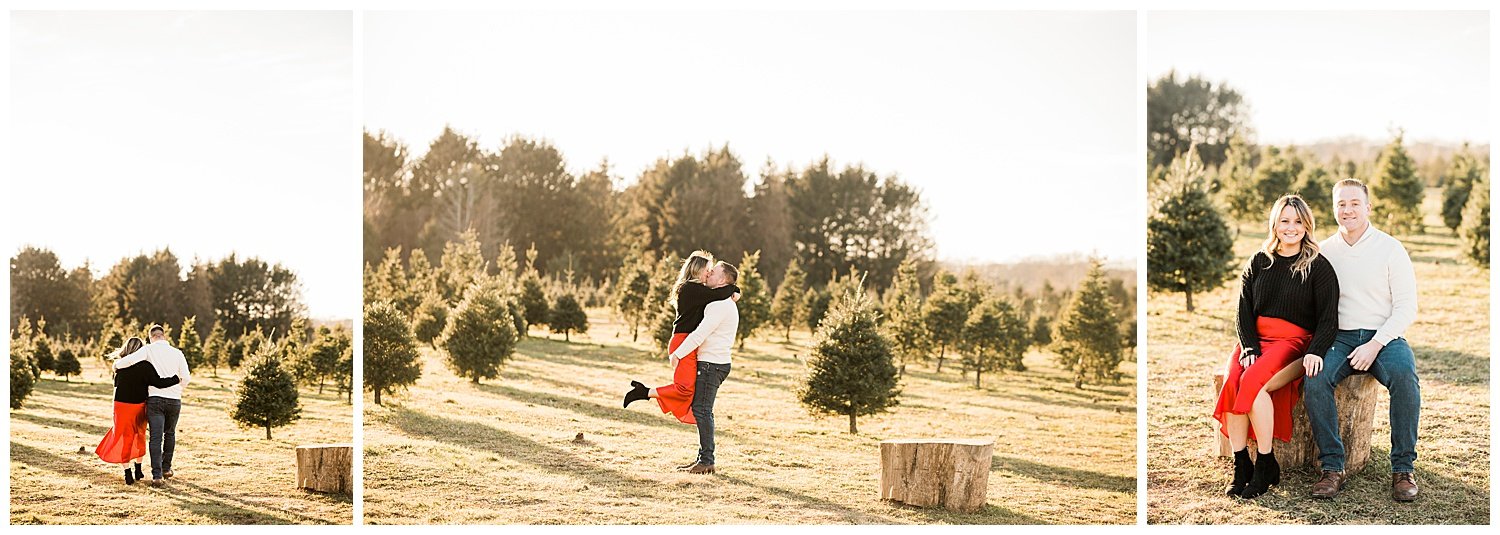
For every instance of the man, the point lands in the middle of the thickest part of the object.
(163, 405)
(1377, 302)
(713, 339)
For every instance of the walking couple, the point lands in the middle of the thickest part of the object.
(1310, 315)
(148, 388)
(699, 353)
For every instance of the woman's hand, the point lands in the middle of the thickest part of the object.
(672, 361)
(1246, 358)
(1312, 364)
(735, 297)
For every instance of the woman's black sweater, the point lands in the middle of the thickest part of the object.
(1276, 292)
(131, 382)
(691, 299)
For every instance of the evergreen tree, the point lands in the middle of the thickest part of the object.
(267, 396)
(67, 363)
(755, 299)
(1476, 228)
(1462, 174)
(236, 352)
(567, 316)
(188, 343)
(389, 282)
(945, 312)
(326, 354)
(216, 348)
(533, 300)
(631, 291)
(430, 318)
(816, 304)
(786, 308)
(1314, 185)
(904, 322)
(42, 357)
(1188, 246)
(421, 278)
(1089, 342)
(1041, 331)
(996, 338)
(850, 370)
(22, 380)
(390, 355)
(480, 335)
(462, 266)
(1397, 189)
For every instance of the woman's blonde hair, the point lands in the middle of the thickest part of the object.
(1302, 265)
(131, 346)
(692, 270)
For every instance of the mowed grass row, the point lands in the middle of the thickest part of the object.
(509, 450)
(225, 474)
(1451, 341)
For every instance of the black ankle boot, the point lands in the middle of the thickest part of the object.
(129, 477)
(1243, 470)
(1267, 474)
(138, 473)
(637, 392)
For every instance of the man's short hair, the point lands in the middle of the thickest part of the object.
(155, 327)
(732, 273)
(1351, 183)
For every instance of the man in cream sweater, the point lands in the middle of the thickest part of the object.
(713, 339)
(1377, 302)
(163, 405)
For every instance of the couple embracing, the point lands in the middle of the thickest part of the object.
(148, 389)
(1310, 315)
(699, 352)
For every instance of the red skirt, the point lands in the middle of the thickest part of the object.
(127, 439)
(677, 398)
(1281, 343)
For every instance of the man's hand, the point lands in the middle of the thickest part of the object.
(735, 297)
(1364, 355)
(1312, 364)
(673, 361)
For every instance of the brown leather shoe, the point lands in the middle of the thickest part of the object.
(157, 482)
(688, 466)
(700, 468)
(1403, 487)
(1330, 484)
(167, 474)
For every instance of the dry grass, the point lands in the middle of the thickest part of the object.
(1451, 340)
(451, 452)
(225, 474)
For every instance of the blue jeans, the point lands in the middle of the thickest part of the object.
(1395, 368)
(710, 376)
(161, 415)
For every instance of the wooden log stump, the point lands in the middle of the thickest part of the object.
(1356, 398)
(950, 473)
(1220, 445)
(326, 468)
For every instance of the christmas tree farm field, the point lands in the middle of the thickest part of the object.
(225, 474)
(548, 443)
(1451, 340)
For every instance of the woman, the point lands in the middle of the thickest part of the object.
(691, 297)
(1288, 312)
(126, 441)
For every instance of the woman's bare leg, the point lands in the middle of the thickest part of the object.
(1238, 426)
(652, 393)
(1262, 412)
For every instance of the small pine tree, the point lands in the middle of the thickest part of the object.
(755, 299)
(851, 369)
(480, 335)
(1188, 246)
(786, 308)
(430, 318)
(904, 323)
(534, 300)
(944, 313)
(388, 282)
(42, 357)
(1090, 341)
(996, 338)
(1398, 189)
(22, 381)
(390, 351)
(188, 343)
(216, 348)
(1041, 331)
(1476, 227)
(631, 292)
(1463, 173)
(67, 363)
(326, 352)
(568, 315)
(816, 304)
(236, 352)
(268, 394)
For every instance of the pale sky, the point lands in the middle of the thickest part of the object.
(1019, 128)
(1310, 76)
(208, 133)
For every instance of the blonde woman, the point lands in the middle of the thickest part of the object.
(126, 441)
(691, 296)
(1288, 309)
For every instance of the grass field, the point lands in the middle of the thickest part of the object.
(225, 474)
(1451, 341)
(507, 450)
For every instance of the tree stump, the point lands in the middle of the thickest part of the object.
(949, 473)
(1220, 445)
(1356, 398)
(325, 468)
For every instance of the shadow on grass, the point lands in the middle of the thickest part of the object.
(60, 423)
(1062, 475)
(198, 500)
(1454, 367)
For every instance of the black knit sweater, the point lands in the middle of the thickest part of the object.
(692, 298)
(1276, 292)
(131, 382)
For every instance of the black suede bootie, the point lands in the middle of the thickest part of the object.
(1267, 475)
(1243, 471)
(637, 392)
